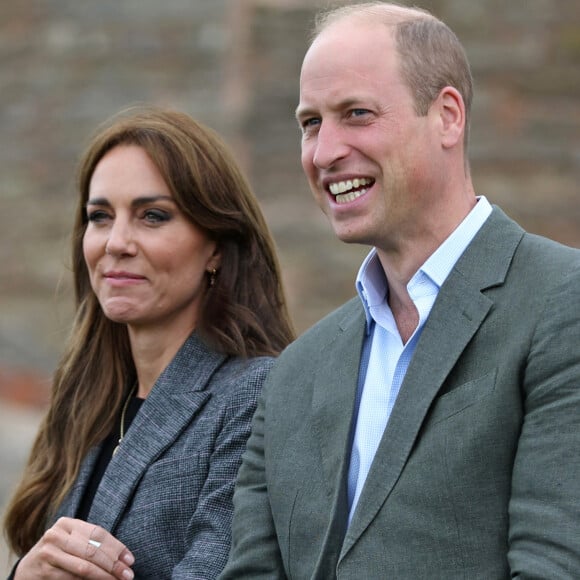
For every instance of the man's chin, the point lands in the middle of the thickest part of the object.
(349, 235)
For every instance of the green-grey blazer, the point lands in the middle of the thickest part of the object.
(478, 472)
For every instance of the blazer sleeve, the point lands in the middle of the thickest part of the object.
(210, 526)
(544, 509)
(255, 553)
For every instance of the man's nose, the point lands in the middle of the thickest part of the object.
(330, 145)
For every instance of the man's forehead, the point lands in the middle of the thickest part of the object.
(327, 64)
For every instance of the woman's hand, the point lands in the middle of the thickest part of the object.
(76, 549)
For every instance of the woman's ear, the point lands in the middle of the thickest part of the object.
(215, 260)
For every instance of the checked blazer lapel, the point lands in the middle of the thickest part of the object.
(176, 397)
(72, 500)
(460, 309)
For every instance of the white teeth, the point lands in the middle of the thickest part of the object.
(346, 186)
(346, 197)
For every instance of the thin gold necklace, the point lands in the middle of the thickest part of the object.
(123, 412)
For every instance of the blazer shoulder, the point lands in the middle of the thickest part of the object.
(241, 375)
(346, 316)
(500, 231)
(551, 268)
(237, 367)
(549, 253)
(502, 249)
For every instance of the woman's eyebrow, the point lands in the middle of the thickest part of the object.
(143, 200)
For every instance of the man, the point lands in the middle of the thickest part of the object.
(430, 427)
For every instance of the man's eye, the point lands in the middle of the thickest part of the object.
(309, 123)
(359, 112)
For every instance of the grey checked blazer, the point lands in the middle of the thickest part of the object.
(477, 475)
(167, 493)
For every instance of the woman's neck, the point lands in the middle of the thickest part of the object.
(152, 352)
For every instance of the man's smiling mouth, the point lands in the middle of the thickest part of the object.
(351, 189)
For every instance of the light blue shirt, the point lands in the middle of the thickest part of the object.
(385, 358)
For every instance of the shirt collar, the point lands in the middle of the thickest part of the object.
(371, 282)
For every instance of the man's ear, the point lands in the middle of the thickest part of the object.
(451, 111)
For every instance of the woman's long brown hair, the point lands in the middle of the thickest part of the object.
(244, 313)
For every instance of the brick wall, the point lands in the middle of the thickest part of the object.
(67, 65)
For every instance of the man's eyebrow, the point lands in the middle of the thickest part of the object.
(302, 112)
(347, 103)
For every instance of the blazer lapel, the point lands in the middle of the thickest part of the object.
(332, 407)
(70, 504)
(335, 391)
(176, 397)
(458, 312)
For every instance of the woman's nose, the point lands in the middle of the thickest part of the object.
(121, 240)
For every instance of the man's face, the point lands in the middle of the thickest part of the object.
(365, 152)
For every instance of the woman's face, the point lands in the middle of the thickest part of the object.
(146, 260)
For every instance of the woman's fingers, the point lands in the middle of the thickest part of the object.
(96, 546)
(74, 548)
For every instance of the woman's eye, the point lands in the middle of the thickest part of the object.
(97, 216)
(156, 216)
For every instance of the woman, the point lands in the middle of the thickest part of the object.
(180, 310)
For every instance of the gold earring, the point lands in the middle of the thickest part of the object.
(212, 276)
